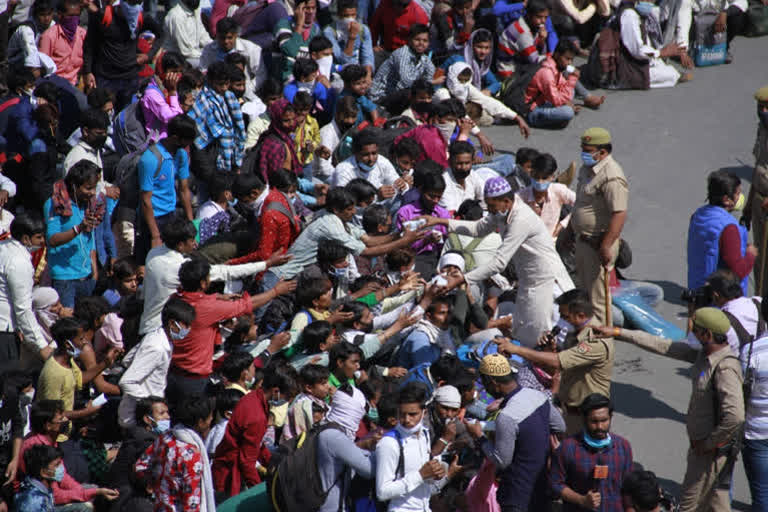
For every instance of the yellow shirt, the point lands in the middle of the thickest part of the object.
(57, 382)
(307, 132)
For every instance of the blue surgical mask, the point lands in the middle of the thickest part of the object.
(183, 332)
(644, 9)
(364, 167)
(306, 86)
(597, 444)
(161, 426)
(58, 475)
(340, 273)
(232, 203)
(588, 159)
(373, 414)
(277, 402)
(502, 214)
(540, 186)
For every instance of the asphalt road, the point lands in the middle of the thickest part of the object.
(667, 141)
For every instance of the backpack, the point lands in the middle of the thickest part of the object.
(127, 176)
(421, 375)
(362, 495)
(391, 130)
(293, 476)
(109, 15)
(513, 89)
(757, 19)
(466, 252)
(128, 130)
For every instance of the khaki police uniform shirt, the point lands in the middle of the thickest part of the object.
(601, 191)
(587, 365)
(760, 151)
(716, 409)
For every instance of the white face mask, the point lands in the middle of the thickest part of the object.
(446, 130)
(413, 430)
(306, 86)
(325, 64)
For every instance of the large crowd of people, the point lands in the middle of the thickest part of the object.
(264, 251)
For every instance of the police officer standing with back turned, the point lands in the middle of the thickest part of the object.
(757, 203)
(602, 195)
(715, 411)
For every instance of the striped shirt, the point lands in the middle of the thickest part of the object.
(756, 424)
(517, 45)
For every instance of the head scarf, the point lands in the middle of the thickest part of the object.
(448, 396)
(457, 89)
(478, 68)
(347, 411)
(43, 299)
(276, 111)
(109, 335)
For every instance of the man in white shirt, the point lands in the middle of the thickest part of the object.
(17, 278)
(366, 163)
(644, 44)
(185, 32)
(527, 243)
(461, 182)
(227, 41)
(747, 323)
(330, 136)
(406, 475)
(148, 362)
(161, 279)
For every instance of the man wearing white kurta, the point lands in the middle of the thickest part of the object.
(527, 243)
(638, 43)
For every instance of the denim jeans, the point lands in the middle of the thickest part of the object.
(268, 281)
(504, 164)
(549, 116)
(755, 453)
(70, 289)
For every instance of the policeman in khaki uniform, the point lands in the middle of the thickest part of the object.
(598, 216)
(585, 363)
(715, 411)
(757, 203)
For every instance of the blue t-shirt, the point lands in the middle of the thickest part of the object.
(71, 260)
(364, 105)
(163, 187)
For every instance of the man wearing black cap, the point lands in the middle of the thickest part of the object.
(519, 451)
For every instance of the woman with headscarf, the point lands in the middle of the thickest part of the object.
(276, 151)
(48, 309)
(459, 84)
(478, 53)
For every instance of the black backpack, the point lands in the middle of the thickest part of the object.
(513, 89)
(127, 178)
(293, 477)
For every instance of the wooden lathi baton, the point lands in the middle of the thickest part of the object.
(762, 258)
(608, 301)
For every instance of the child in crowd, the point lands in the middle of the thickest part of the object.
(271, 91)
(307, 133)
(357, 84)
(306, 73)
(226, 401)
(124, 281)
(315, 390)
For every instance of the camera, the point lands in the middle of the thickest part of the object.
(698, 297)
